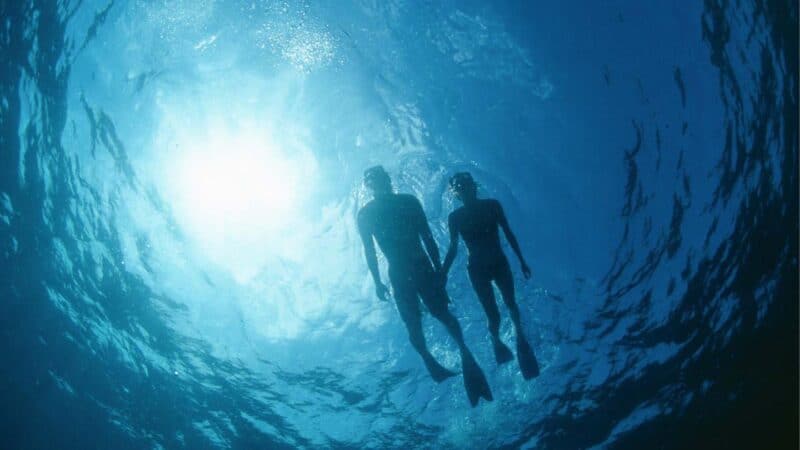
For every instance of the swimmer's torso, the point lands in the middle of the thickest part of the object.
(396, 221)
(478, 226)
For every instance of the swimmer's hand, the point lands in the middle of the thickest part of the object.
(382, 291)
(526, 270)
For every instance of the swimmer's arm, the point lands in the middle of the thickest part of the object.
(453, 249)
(427, 238)
(371, 257)
(503, 222)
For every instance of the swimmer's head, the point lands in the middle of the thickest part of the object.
(377, 180)
(464, 186)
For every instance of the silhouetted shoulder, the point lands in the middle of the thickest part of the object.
(493, 202)
(366, 213)
(495, 206)
(456, 216)
(410, 204)
(410, 199)
(367, 208)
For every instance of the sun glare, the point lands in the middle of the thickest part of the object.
(238, 194)
(237, 187)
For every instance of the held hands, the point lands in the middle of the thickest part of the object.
(382, 291)
(526, 270)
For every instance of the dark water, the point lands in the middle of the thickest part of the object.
(180, 267)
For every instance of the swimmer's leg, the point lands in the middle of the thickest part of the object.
(527, 360)
(483, 287)
(408, 307)
(474, 380)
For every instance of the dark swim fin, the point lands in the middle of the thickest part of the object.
(475, 381)
(502, 353)
(527, 360)
(438, 373)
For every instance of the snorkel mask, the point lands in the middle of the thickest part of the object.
(462, 182)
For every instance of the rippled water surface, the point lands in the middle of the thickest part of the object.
(179, 181)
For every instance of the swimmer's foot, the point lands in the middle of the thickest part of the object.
(527, 360)
(438, 373)
(501, 351)
(474, 381)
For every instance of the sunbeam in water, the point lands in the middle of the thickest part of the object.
(236, 193)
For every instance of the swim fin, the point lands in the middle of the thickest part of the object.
(527, 360)
(502, 353)
(475, 381)
(438, 373)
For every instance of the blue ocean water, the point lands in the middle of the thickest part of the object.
(180, 264)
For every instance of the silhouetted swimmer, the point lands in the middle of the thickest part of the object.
(398, 223)
(477, 222)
